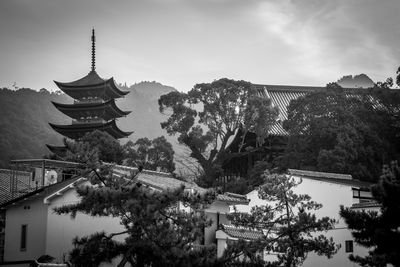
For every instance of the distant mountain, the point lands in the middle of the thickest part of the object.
(357, 81)
(145, 118)
(25, 114)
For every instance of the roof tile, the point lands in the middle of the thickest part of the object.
(242, 232)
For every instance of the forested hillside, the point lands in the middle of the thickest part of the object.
(24, 128)
(25, 114)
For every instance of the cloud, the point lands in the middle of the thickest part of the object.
(183, 42)
(332, 37)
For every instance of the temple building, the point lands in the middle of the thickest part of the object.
(242, 158)
(93, 108)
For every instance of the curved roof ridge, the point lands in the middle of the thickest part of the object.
(92, 78)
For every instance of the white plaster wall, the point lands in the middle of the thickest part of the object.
(62, 229)
(331, 196)
(36, 219)
(218, 206)
(211, 214)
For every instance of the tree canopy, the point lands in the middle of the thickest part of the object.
(288, 223)
(344, 132)
(95, 144)
(156, 154)
(379, 231)
(206, 117)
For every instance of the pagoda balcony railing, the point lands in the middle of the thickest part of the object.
(89, 100)
(89, 121)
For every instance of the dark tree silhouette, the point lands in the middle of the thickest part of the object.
(288, 224)
(380, 232)
(341, 132)
(156, 154)
(224, 104)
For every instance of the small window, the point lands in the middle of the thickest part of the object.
(349, 246)
(24, 231)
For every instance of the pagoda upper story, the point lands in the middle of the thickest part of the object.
(91, 88)
(94, 105)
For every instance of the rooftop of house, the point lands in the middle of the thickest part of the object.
(232, 198)
(154, 179)
(42, 191)
(165, 181)
(15, 182)
(344, 179)
(241, 232)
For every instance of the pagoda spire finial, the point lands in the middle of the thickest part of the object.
(93, 51)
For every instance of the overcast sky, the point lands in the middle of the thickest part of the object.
(183, 42)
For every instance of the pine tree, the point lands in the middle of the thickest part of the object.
(289, 227)
(379, 231)
(156, 232)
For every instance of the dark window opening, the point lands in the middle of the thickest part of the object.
(349, 246)
(24, 229)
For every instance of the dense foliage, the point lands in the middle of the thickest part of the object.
(343, 132)
(155, 232)
(97, 143)
(379, 231)
(156, 154)
(289, 225)
(224, 105)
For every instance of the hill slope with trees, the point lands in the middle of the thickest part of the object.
(25, 114)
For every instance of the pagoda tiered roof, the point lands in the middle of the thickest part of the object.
(94, 107)
(105, 110)
(77, 131)
(92, 86)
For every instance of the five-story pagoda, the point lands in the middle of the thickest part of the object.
(94, 105)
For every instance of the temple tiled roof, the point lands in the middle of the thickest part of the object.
(91, 86)
(281, 95)
(277, 129)
(107, 110)
(242, 232)
(90, 79)
(76, 131)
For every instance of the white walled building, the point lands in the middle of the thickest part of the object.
(331, 190)
(32, 229)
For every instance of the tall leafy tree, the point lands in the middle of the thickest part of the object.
(379, 231)
(156, 154)
(289, 225)
(206, 117)
(155, 232)
(336, 131)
